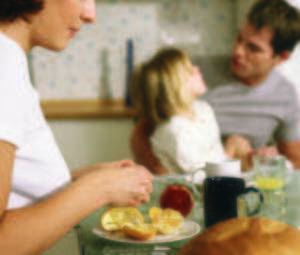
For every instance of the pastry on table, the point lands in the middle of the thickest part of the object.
(246, 236)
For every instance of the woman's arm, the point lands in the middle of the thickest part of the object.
(7, 155)
(33, 229)
(77, 173)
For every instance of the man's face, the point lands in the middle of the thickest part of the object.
(59, 21)
(253, 56)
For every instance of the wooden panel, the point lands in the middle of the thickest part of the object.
(69, 109)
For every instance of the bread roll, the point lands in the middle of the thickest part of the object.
(246, 236)
(139, 231)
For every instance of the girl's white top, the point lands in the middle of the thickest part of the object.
(39, 168)
(185, 145)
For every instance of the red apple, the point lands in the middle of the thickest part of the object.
(177, 197)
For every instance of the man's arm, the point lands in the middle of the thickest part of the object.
(292, 151)
(141, 148)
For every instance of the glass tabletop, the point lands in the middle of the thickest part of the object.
(92, 244)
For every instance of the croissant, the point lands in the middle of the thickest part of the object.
(246, 236)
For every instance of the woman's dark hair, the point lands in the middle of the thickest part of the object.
(10, 10)
(283, 20)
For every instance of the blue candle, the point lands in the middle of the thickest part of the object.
(129, 69)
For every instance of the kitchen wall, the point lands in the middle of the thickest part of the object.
(88, 141)
(242, 8)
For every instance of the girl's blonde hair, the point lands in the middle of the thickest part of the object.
(159, 86)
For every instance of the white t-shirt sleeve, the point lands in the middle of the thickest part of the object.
(11, 117)
(189, 158)
(215, 131)
(176, 145)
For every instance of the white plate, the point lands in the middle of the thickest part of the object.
(187, 230)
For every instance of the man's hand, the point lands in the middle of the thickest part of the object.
(267, 151)
(238, 147)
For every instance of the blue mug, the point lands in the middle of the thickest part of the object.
(221, 194)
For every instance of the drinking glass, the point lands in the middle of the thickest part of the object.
(293, 199)
(186, 180)
(270, 178)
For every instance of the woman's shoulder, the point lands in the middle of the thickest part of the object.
(12, 59)
(13, 66)
(10, 51)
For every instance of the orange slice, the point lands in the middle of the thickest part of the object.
(115, 218)
(141, 231)
(155, 213)
(165, 221)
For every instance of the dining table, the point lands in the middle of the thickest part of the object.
(93, 244)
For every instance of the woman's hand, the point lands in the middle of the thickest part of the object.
(120, 163)
(116, 164)
(126, 184)
(51, 217)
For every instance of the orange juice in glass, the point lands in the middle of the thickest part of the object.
(270, 178)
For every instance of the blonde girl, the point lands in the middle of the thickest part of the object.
(165, 92)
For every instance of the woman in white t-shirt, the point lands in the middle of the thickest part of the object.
(39, 201)
(186, 134)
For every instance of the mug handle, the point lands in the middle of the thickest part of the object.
(260, 202)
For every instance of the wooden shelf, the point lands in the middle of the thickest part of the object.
(72, 109)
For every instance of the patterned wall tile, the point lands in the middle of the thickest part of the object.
(94, 66)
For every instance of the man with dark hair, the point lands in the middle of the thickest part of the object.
(261, 108)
